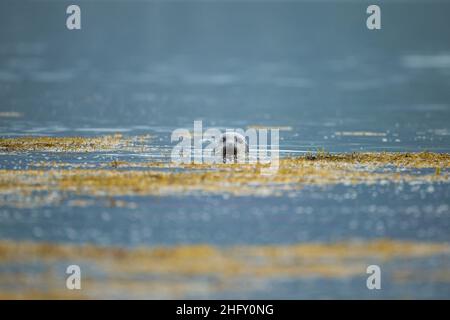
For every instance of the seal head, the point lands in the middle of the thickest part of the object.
(232, 147)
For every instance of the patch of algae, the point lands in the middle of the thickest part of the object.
(381, 159)
(371, 160)
(236, 179)
(66, 144)
(193, 265)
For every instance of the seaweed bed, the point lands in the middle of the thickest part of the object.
(68, 144)
(118, 178)
(184, 270)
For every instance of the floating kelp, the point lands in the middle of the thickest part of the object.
(357, 160)
(69, 144)
(201, 268)
(123, 178)
(382, 159)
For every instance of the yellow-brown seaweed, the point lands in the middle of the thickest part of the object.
(236, 179)
(67, 144)
(225, 267)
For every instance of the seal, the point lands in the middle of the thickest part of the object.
(232, 146)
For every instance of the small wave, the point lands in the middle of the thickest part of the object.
(438, 61)
(102, 130)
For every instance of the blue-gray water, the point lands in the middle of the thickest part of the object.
(143, 67)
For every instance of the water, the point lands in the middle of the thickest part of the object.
(145, 67)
